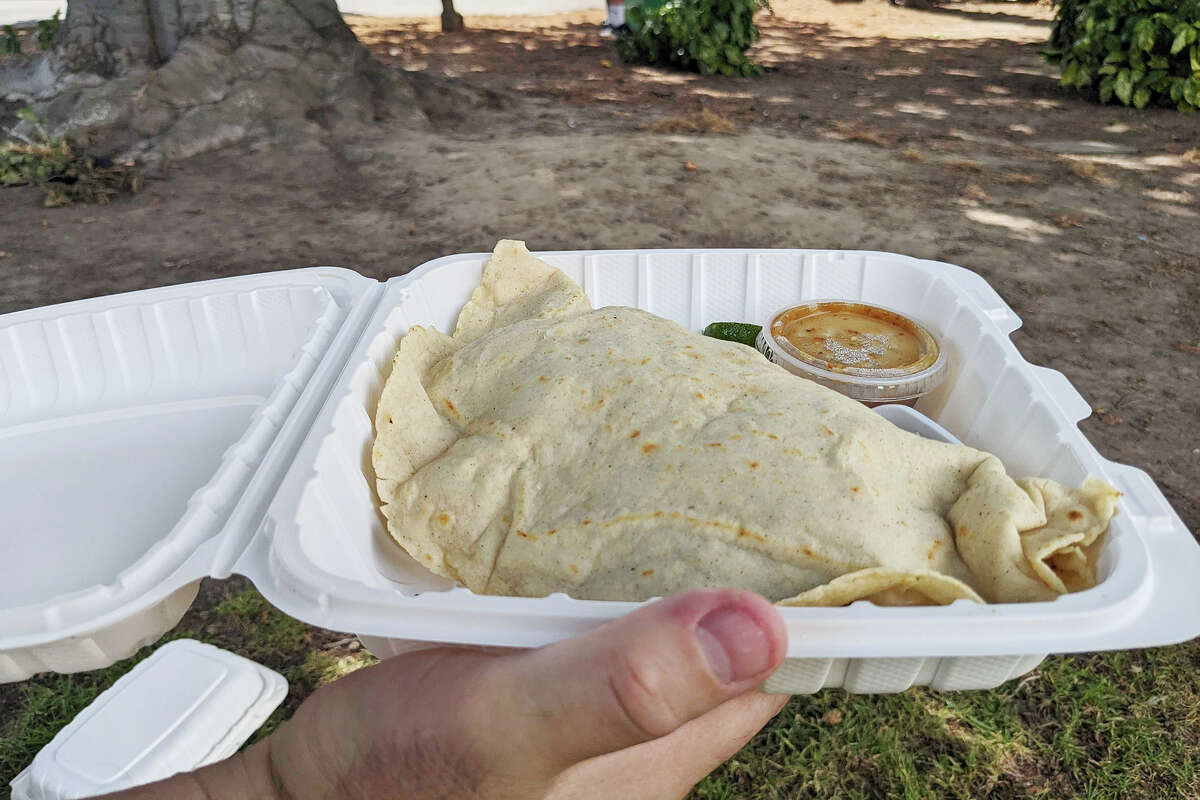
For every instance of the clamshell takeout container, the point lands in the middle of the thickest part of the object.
(150, 439)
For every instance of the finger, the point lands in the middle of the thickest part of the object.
(670, 766)
(634, 679)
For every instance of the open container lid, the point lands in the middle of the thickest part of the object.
(225, 391)
(188, 705)
(141, 436)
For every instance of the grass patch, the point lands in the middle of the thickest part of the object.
(253, 628)
(1101, 727)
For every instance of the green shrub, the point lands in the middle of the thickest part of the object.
(9, 41)
(64, 175)
(1136, 51)
(708, 36)
(46, 28)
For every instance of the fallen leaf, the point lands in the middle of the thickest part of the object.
(975, 192)
(1091, 172)
(1066, 221)
(852, 134)
(412, 231)
(1020, 177)
(1192, 157)
(704, 122)
(914, 155)
(1111, 419)
(690, 166)
(965, 165)
(604, 62)
(1184, 347)
(832, 717)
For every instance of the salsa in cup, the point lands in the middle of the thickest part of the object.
(873, 354)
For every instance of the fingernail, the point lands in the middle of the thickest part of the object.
(734, 644)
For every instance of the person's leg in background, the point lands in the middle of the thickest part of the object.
(615, 22)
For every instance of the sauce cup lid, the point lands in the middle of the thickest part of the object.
(871, 384)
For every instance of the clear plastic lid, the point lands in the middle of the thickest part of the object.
(870, 353)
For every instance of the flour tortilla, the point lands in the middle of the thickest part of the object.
(613, 455)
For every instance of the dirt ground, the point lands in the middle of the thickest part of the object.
(940, 134)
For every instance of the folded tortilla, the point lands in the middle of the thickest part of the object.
(611, 454)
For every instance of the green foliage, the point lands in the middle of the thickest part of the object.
(64, 175)
(1136, 52)
(708, 36)
(46, 29)
(9, 42)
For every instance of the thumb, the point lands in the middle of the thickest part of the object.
(636, 678)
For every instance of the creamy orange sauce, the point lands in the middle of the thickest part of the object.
(850, 335)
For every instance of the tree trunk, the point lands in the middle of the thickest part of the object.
(451, 19)
(172, 78)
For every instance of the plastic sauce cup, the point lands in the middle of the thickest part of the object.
(873, 354)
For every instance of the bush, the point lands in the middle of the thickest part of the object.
(1136, 51)
(708, 36)
(63, 175)
(46, 29)
(10, 40)
(10, 43)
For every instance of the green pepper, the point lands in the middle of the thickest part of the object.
(740, 332)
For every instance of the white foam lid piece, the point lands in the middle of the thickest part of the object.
(187, 705)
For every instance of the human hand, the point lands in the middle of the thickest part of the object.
(642, 707)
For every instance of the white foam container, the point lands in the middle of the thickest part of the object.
(290, 501)
(188, 705)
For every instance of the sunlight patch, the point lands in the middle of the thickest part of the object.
(1028, 229)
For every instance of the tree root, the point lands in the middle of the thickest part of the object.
(285, 73)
